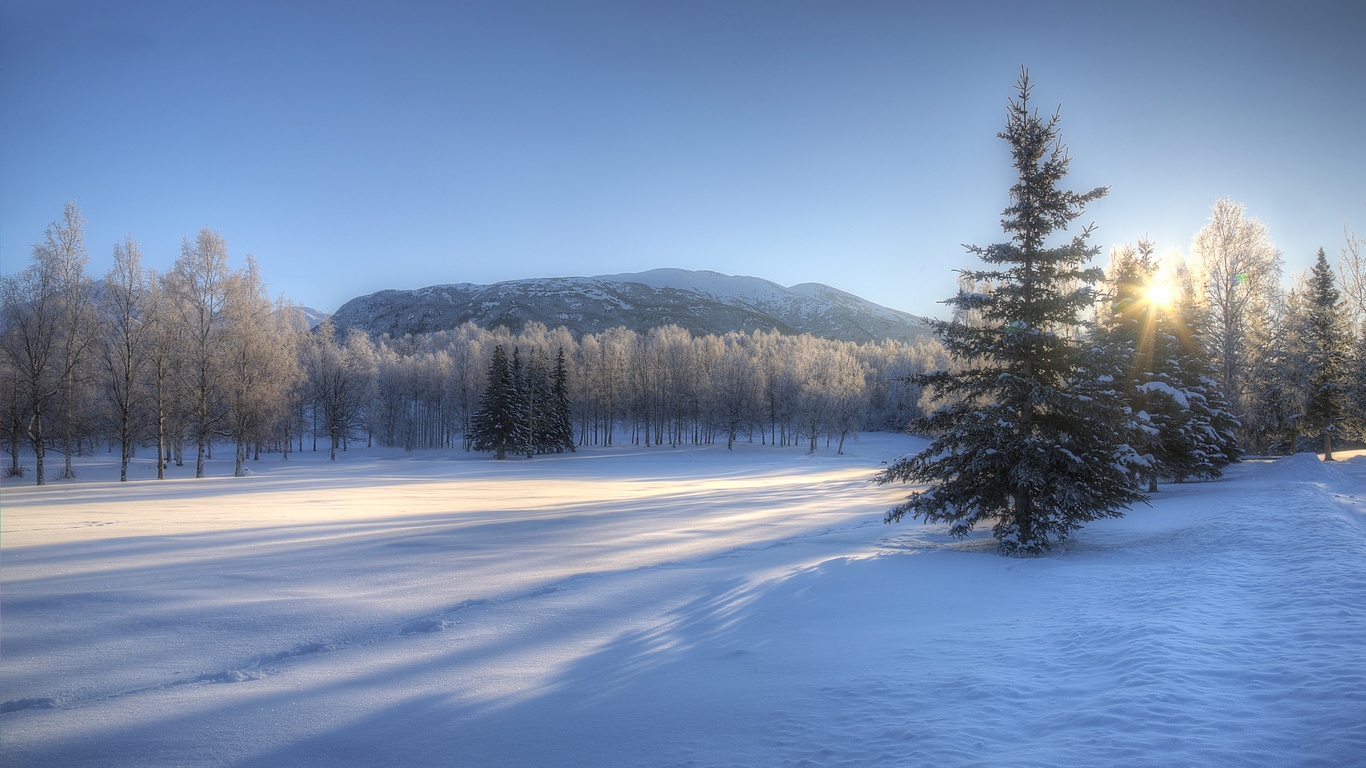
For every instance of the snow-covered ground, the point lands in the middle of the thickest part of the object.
(659, 607)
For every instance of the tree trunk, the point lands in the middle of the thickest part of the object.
(199, 458)
(36, 437)
(1328, 445)
(241, 457)
(14, 452)
(161, 445)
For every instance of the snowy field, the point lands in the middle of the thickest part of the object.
(660, 607)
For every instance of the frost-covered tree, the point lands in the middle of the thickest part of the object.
(260, 363)
(1274, 400)
(1014, 439)
(1352, 271)
(341, 381)
(65, 244)
(162, 351)
(734, 387)
(1237, 268)
(47, 338)
(198, 291)
(830, 391)
(123, 349)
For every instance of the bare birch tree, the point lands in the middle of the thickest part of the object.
(123, 305)
(199, 286)
(1237, 269)
(162, 353)
(260, 362)
(47, 336)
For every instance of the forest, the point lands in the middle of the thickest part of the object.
(177, 363)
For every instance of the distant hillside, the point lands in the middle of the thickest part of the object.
(703, 302)
(314, 316)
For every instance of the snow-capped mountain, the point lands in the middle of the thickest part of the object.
(314, 316)
(701, 301)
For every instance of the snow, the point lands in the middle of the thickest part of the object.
(658, 607)
(1166, 389)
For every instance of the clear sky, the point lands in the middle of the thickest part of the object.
(355, 146)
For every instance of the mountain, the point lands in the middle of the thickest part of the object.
(314, 316)
(703, 302)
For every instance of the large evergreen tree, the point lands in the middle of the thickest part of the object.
(1018, 437)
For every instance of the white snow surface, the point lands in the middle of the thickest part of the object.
(669, 607)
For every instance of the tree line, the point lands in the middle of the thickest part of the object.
(177, 362)
(664, 386)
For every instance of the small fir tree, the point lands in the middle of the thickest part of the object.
(1018, 439)
(1326, 355)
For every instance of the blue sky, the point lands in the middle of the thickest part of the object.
(358, 146)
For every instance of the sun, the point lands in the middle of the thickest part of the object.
(1162, 293)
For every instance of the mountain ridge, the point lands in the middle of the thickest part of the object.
(701, 301)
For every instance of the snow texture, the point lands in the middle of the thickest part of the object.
(658, 607)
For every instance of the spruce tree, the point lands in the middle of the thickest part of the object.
(1017, 439)
(1180, 425)
(540, 403)
(1199, 439)
(524, 405)
(1125, 343)
(561, 436)
(496, 426)
(1194, 368)
(1325, 342)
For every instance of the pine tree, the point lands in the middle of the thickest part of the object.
(1326, 355)
(496, 426)
(1016, 438)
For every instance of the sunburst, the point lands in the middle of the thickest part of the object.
(1162, 293)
